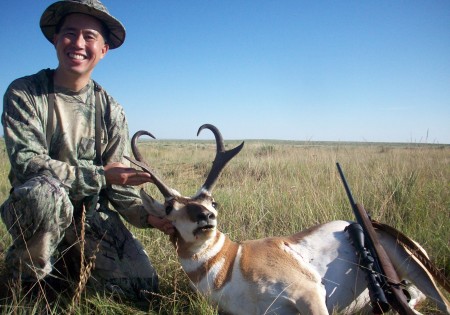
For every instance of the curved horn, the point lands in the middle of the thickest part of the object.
(165, 190)
(136, 153)
(221, 159)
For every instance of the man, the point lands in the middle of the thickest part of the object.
(66, 138)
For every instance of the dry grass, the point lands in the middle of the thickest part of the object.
(278, 188)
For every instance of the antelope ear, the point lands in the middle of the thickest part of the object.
(152, 206)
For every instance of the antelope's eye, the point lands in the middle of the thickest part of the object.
(169, 208)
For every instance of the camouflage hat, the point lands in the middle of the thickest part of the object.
(56, 11)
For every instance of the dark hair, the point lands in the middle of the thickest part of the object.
(104, 29)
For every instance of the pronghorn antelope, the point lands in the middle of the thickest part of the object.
(312, 272)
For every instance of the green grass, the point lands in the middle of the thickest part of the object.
(278, 188)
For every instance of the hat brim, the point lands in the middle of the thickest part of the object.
(55, 12)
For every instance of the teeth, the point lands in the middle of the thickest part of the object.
(76, 56)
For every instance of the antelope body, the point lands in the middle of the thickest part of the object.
(315, 271)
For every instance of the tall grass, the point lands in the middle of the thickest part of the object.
(278, 188)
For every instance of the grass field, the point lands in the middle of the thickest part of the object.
(278, 188)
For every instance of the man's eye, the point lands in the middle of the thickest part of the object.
(90, 38)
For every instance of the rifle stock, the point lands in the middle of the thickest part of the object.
(395, 295)
(391, 281)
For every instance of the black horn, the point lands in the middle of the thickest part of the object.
(221, 159)
(137, 155)
(165, 190)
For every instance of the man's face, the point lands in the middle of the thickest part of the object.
(80, 44)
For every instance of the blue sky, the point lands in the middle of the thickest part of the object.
(292, 70)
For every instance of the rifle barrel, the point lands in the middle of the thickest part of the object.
(347, 188)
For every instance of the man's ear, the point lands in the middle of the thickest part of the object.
(55, 39)
(105, 49)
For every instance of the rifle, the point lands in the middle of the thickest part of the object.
(383, 281)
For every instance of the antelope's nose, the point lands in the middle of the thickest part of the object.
(205, 216)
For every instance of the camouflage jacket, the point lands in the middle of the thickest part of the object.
(72, 149)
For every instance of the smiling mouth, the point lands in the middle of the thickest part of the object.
(76, 56)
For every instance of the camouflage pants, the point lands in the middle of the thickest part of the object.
(39, 217)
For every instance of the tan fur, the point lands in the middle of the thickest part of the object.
(269, 258)
(227, 255)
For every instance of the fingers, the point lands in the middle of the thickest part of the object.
(161, 224)
(119, 174)
(138, 173)
(138, 176)
(168, 229)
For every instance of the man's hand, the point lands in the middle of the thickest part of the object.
(163, 225)
(120, 174)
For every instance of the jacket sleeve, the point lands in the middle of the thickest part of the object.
(24, 120)
(125, 199)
